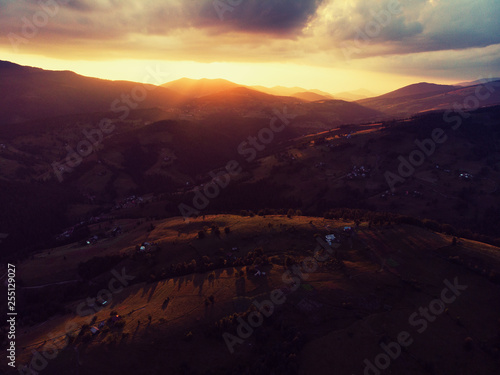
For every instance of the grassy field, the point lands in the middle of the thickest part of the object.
(335, 319)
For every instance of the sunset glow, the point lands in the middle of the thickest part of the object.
(328, 45)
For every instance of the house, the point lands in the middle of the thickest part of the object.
(330, 238)
(465, 176)
(92, 240)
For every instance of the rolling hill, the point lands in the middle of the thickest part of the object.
(354, 95)
(289, 91)
(193, 88)
(310, 96)
(35, 94)
(188, 292)
(423, 97)
(417, 89)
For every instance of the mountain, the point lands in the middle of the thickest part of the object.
(193, 88)
(240, 100)
(423, 97)
(478, 82)
(417, 89)
(308, 115)
(289, 91)
(309, 96)
(36, 93)
(354, 95)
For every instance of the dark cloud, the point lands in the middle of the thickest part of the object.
(420, 26)
(80, 5)
(282, 17)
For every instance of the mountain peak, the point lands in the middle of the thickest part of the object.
(195, 88)
(418, 89)
(9, 65)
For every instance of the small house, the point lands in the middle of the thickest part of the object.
(330, 238)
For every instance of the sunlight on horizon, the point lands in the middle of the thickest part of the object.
(331, 80)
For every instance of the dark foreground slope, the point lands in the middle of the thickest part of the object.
(379, 284)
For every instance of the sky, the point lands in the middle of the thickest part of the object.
(331, 45)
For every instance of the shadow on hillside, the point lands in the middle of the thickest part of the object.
(149, 289)
(198, 282)
(183, 280)
(240, 284)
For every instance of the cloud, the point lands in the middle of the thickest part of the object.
(472, 63)
(414, 26)
(419, 34)
(280, 17)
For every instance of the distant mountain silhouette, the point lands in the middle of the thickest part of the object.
(354, 95)
(193, 88)
(417, 89)
(309, 96)
(478, 82)
(423, 97)
(33, 93)
(289, 91)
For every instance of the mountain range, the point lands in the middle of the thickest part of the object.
(36, 94)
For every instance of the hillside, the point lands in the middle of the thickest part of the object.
(289, 91)
(192, 88)
(313, 172)
(424, 97)
(354, 95)
(417, 89)
(184, 293)
(309, 96)
(37, 94)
